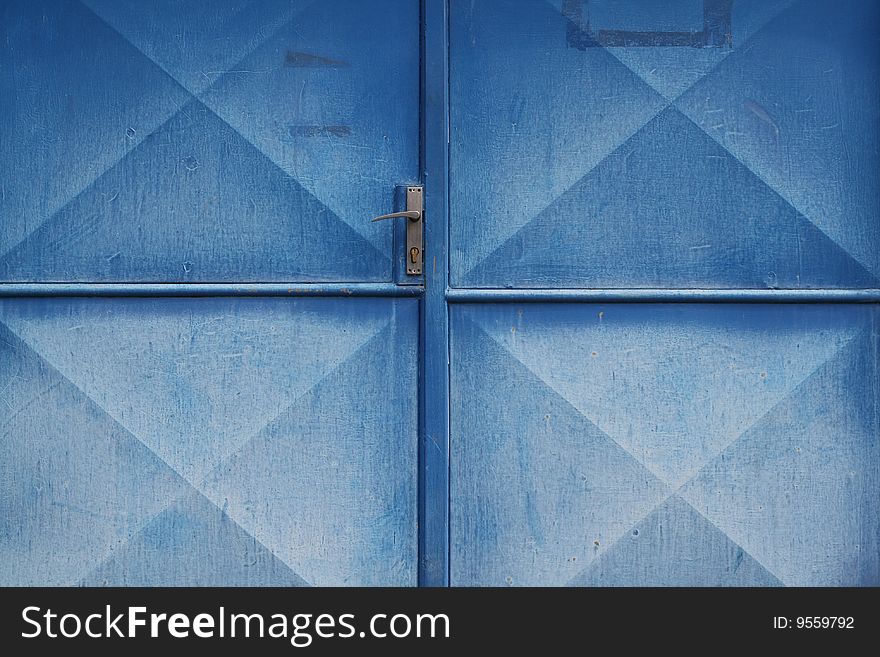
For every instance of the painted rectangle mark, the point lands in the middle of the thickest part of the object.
(716, 32)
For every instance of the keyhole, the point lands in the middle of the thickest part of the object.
(414, 255)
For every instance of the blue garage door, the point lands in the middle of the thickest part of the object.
(225, 440)
(699, 150)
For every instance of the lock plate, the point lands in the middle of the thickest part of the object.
(415, 255)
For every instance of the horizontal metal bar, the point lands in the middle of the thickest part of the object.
(473, 295)
(208, 290)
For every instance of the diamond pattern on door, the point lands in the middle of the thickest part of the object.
(754, 428)
(139, 432)
(577, 193)
(798, 490)
(158, 143)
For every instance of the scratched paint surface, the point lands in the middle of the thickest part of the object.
(665, 445)
(748, 164)
(204, 141)
(208, 442)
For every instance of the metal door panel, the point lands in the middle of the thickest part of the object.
(222, 141)
(208, 441)
(654, 444)
(744, 162)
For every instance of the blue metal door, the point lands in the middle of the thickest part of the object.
(170, 414)
(644, 349)
(664, 224)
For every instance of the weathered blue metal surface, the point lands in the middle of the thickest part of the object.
(208, 441)
(204, 141)
(685, 144)
(621, 444)
(434, 396)
(718, 153)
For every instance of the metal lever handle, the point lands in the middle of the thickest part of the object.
(415, 212)
(412, 215)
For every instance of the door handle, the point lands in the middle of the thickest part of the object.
(414, 228)
(412, 215)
